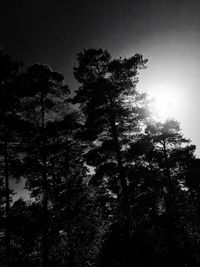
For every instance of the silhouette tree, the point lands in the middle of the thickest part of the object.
(66, 175)
(45, 91)
(9, 128)
(107, 95)
(114, 112)
(160, 158)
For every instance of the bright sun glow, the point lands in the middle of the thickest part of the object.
(166, 102)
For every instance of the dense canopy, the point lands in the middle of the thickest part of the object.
(108, 185)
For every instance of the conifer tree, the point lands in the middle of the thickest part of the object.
(44, 91)
(114, 112)
(9, 128)
(108, 97)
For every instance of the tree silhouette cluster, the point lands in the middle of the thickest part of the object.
(108, 185)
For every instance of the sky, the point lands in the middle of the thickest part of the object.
(166, 32)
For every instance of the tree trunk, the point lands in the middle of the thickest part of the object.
(125, 209)
(171, 192)
(45, 248)
(115, 136)
(6, 175)
(124, 201)
(167, 169)
(123, 181)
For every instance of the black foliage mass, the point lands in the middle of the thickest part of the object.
(108, 185)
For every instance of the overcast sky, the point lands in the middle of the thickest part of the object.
(167, 32)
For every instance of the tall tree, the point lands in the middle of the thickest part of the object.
(66, 175)
(45, 92)
(9, 104)
(161, 158)
(113, 113)
(107, 96)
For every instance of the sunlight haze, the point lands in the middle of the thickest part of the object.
(172, 77)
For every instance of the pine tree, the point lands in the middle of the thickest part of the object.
(44, 95)
(114, 113)
(161, 157)
(10, 134)
(107, 96)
